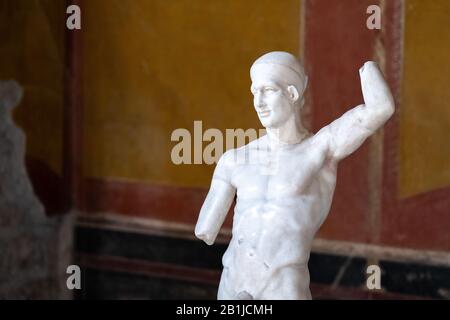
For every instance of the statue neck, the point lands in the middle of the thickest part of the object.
(291, 132)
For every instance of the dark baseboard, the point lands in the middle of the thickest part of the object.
(127, 265)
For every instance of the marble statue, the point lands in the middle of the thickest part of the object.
(283, 181)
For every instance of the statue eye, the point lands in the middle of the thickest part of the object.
(269, 89)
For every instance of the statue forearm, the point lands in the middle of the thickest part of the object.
(348, 132)
(378, 98)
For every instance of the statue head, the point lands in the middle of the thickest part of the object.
(278, 84)
(10, 95)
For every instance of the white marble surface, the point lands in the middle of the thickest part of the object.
(284, 181)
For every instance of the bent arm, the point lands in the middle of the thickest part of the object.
(215, 208)
(348, 132)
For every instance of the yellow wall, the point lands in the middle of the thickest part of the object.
(32, 52)
(425, 108)
(153, 66)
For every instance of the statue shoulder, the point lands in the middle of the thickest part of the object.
(229, 158)
(321, 137)
(225, 166)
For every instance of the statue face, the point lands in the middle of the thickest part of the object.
(270, 98)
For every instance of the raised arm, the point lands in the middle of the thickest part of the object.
(348, 132)
(218, 201)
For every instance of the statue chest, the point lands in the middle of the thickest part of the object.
(285, 173)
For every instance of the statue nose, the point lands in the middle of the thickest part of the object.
(259, 102)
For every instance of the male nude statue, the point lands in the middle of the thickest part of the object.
(284, 181)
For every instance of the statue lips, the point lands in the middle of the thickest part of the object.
(264, 114)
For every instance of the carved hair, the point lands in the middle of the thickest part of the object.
(294, 73)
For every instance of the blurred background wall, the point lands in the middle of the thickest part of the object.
(36, 246)
(100, 105)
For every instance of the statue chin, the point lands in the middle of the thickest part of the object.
(269, 123)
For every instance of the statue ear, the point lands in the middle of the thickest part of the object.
(293, 93)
